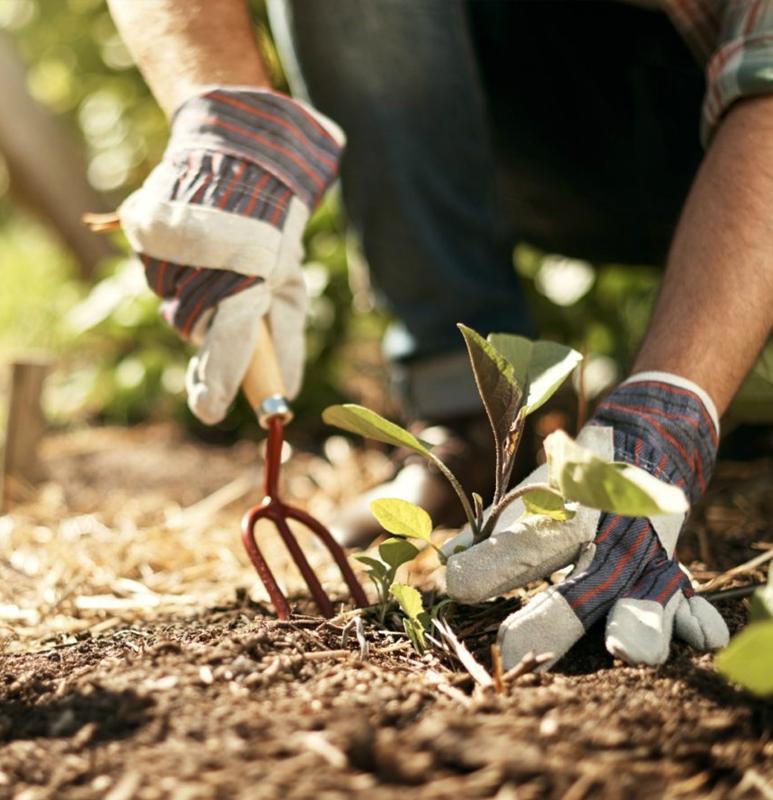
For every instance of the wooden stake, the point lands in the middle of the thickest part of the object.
(24, 426)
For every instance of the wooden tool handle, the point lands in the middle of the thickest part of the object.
(263, 383)
(101, 223)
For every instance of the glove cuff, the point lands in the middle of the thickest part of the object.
(679, 382)
(286, 138)
(662, 424)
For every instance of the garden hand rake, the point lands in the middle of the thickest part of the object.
(264, 388)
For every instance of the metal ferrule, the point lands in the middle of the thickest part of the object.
(274, 405)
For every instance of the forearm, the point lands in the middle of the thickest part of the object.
(715, 309)
(181, 46)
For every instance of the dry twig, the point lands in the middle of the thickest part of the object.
(359, 632)
(496, 662)
(457, 648)
(742, 569)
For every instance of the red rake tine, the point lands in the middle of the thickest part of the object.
(263, 385)
(335, 550)
(273, 509)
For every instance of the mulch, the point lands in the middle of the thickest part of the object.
(129, 693)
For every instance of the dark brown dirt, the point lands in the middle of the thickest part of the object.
(230, 703)
(236, 705)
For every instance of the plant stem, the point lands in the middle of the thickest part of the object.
(457, 487)
(498, 508)
(508, 460)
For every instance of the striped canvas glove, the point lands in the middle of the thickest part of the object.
(624, 567)
(218, 225)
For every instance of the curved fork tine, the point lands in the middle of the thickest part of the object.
(249, 521)
(315, 587)
(358, 593)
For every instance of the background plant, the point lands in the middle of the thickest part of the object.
(748, 659)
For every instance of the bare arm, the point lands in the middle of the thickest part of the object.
(183, 45)
(715, 310)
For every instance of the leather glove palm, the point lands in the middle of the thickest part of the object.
(624, 567)
(218, 225)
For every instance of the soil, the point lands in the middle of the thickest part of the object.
(140, 661)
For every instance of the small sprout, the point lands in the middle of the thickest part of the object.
(395, 552)
(415, 619)
(405, 521)
(401, 518)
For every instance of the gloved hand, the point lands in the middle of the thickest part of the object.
(623, 566)
(218, 227)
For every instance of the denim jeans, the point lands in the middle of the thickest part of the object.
(472, 125)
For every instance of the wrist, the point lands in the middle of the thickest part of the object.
(288, 139)
(678, 383)
(666, 425)
(257, 89)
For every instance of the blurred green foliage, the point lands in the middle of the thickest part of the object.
(119, 360)
(599, 309)
(38, 287)
(79, 68)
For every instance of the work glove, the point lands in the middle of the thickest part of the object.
(218, 226)
(624, 567)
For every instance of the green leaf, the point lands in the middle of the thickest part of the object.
(582, 476)
(547, 503)
(415, 631)
(498, 388)
(402, 518)
(748, 659)
(409, 600)
(367, 423)
(539, 367)
(376, 568)
(397, 552)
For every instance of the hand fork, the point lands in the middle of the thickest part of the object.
(264, 388)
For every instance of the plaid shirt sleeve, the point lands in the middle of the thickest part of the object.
(742, 65)
(734, 39)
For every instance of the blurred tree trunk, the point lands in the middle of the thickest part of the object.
(46, 169)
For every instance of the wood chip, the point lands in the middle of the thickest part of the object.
(322, 655)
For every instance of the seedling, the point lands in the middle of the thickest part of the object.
(515, 377)
(404, 521)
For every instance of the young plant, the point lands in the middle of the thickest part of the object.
(416, 621)
(404, 521)
(514, 377)
(748, 659)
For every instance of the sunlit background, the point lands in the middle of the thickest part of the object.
(81, 131)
